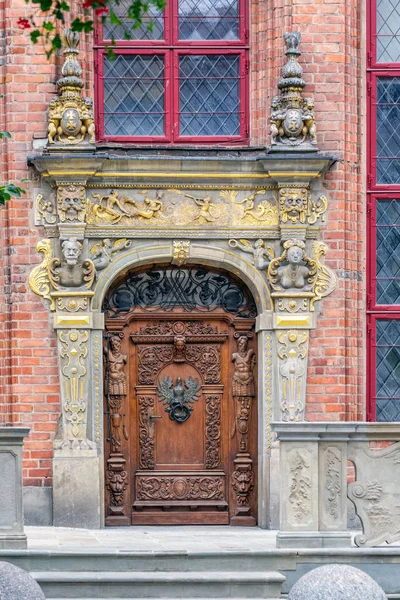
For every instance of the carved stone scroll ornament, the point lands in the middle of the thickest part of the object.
(293, 270)
(70, 117)
(262, 254)
(103, 253)
(376, 493)
(45, 210)
(70, 272)
(179, 488)
(73, 347)
(177, 398)
(292, 368)
(39, 278)
(326, 281)
(71, 203)
(292, 117)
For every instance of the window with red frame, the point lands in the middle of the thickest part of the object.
(383, 211)
(183, 80)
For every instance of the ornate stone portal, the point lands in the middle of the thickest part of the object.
(104, 215)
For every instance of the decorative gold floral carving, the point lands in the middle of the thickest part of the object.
(71, 203)
(181, 253)
(73, 304)
(70, 117)
(73, 354)
(39, 278)
(45, 210)
(292, 370)
(326, 280)
(292, 305)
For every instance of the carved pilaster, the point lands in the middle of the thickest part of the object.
(292, 372)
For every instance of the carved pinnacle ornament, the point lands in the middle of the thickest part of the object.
(70, 117)
(292, 117)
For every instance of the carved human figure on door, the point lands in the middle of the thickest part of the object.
(116, 376)
(243, 387)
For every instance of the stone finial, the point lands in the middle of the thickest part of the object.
(70, 117)
(292, 117)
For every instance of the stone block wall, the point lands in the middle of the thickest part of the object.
(332, 61)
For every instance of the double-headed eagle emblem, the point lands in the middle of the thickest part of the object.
(177, 397)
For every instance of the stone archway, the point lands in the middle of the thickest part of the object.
(182, 335)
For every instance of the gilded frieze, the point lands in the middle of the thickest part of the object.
(183, 207)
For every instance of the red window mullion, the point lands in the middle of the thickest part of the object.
(371, 366)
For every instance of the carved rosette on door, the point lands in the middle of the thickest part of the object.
(180, 476)
(116, 391)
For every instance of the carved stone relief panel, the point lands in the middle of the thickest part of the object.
(299, 487)
(333, 483)
(376, 492)
(292, 371)
(179, 207)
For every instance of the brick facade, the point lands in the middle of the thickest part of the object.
(332, 60)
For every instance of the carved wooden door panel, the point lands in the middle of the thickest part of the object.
(181, 426)
(179, 405)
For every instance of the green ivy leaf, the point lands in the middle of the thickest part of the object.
(35, 35)
(5, 134)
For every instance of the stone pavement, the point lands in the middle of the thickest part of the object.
(152, 539)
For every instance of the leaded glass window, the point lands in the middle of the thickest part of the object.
(387, 31)
(388, 252)
(388, 130)
(183, 80)
(387, 370)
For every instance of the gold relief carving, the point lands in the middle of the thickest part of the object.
(71, 203)
(293, 270)
(262, 255)
(73, 354)
(292, 305)
(317, 209)
(292, 353)
(293, 203)
(39, 278)
(70, 272)
(326, 280)
(178, 208)
(70, 117)
(72, 304)
(97, 389)
(181, 253)
(45, 210)
(72, 321)
(292, 320)
(268, 392)
(103, 252)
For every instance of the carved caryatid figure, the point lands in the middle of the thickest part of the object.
(294, 270)
(70, 272)
(116, 377)
(243, 387)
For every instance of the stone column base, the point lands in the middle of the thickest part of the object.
(76, 491)
(313, 539)
(13, 541)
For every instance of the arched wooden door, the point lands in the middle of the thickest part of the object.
(181, 409)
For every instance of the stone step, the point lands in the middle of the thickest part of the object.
(101, 585)
(133, 561)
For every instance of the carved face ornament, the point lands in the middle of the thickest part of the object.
(294, 255)
(71, 205)
(71, 250)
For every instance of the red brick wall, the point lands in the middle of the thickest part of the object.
(29, 390)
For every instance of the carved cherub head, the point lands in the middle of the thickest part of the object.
(71, 250)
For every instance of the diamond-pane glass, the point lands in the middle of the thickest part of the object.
(151, 28)
(388, 130)
(388, 31)
(208, 20)
(388, 370)
(134, 95)
(388, 251)
(209, 95)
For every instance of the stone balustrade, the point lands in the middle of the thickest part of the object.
(314, 483)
